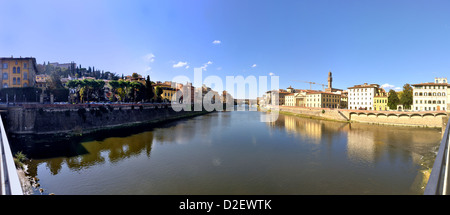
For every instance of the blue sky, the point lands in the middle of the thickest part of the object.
(383, 42)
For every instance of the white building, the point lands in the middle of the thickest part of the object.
(289, 100)
(432, 96)
(360, 97)
(296, 99)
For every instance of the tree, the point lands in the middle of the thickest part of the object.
(159, 91)
(407, 96)
(124, 90)
(149, 89)
(54, 82)
(393, 100)
(134, 88)
(135, 75)
(74, 87)
(114, 87)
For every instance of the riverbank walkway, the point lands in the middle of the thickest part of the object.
(10, 183)
(439, 177)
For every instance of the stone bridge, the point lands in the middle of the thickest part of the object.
(413, 118)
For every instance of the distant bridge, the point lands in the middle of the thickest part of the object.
(394, 113)
(245, 101)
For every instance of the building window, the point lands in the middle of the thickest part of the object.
(5, 85)
(25, 75)
(18, 81)
(5, 66)
(16, 62)
(5, 76)
(14, 69)
(25, 65)
(25, 85)
(18, 69)
(14, 81)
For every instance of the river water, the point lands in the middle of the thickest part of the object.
(235, 153)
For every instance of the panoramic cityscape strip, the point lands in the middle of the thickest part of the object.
(23, 80)
(224, 97)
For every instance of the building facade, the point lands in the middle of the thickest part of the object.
(282, 97)
(380, 100)
(167, 91)
(41, 81)
(17, 72)
(321, 99)
(360, 97)
(432, 96)
(289, 100)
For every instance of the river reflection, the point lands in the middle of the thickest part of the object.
(235, 153)
(365, 142)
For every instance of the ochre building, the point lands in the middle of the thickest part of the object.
(17, 72)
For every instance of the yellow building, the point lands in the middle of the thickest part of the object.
(380, 100)
(167, 93)
(17, 72)
(321, 99)
(41, 81)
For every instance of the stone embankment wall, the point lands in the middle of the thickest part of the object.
(414, 120)
(73, 119)
(420, 119)
(332, 114)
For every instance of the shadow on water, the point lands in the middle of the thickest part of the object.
(46, 146)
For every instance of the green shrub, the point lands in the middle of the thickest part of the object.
(19, 158)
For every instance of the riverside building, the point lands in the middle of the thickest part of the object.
(321, 99)
(360, 97)
(380, 100)
(17, 72)
(431, 96)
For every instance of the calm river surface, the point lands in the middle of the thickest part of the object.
(236, 153)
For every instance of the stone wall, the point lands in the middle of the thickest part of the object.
(404, 120)
(332, 114)
(389, 118)
(82, 119)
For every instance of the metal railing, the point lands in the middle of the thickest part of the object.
(10, 183)
(438, 181)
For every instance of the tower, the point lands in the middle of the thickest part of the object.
(290, 90)
(330, 80)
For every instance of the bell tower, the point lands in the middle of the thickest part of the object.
(330, 81)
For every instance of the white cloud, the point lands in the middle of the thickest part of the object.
(271, 74)
(217, 42)
(187, 67)
(388, 86)
(149, 57)
(180, 64)
(254, 65)
(206, 65)
(148, 68)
